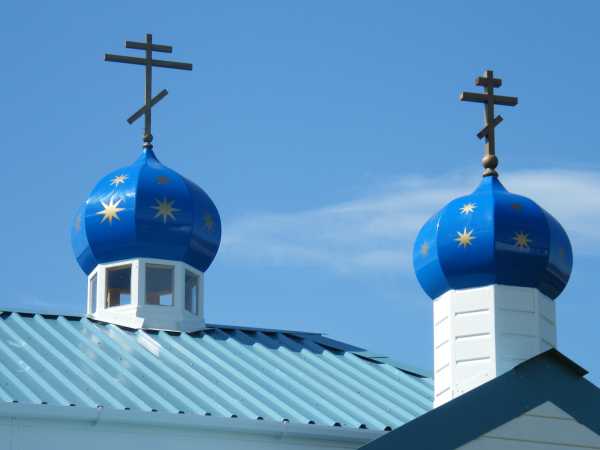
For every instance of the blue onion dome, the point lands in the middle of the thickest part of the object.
(492, 237)
(146, 210)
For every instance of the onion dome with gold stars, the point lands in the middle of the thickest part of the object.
(146, 210)
(492, 237)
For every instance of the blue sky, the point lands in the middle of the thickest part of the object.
(325, 132)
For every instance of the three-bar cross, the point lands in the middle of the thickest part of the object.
(490, 160)
(148, 62)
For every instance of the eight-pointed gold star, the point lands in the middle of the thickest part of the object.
(209, 222)
(468, 208)
(522, 240)
(424, 249)
(119, 179)
(465, 238)
(165, 209)
(111, 210)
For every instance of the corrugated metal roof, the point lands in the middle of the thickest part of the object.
(222, 371)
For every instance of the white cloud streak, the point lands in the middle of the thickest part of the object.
(376, 232)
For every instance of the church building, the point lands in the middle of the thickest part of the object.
(144, 367)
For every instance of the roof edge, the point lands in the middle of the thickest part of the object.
(104, 416)
(554, 353)
(549, 376)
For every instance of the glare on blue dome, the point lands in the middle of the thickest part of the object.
(492, 237)
(146, 210)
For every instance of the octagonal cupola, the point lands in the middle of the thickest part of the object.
(493, 262)
(145, 236)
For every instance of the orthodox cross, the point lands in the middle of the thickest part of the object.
(489, 161)
(148, 62)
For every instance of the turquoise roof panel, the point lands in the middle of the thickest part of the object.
(224, 371)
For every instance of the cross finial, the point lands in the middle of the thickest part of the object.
(490, 160)
(148, 62)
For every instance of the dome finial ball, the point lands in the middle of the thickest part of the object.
(489, 162)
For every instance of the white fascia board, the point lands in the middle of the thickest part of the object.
(86, 416)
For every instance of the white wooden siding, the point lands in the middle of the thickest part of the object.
(481, 333)
(546, 427)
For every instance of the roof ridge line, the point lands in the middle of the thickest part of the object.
(268, 330)
(41, 313)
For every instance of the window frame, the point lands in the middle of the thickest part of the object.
(152, 265)
(194, 305)
(106, 287)
(93, 290)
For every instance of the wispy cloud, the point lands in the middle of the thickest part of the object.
(376, 232)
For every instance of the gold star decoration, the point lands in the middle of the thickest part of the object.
(516, 206)
(209, 222)
(468, 208)
(424, 249)
(111, 210)
(465, 238)
(119, 179)
(521, 240)
(162, 179)
(164, 209)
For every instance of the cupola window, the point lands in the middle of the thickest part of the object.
(93, 293)
(159, 285)
(191, 292)
(118, 286)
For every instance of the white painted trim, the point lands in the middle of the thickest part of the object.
(89, 306)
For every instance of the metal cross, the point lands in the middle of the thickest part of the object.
(148, 62)
(490, 160)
